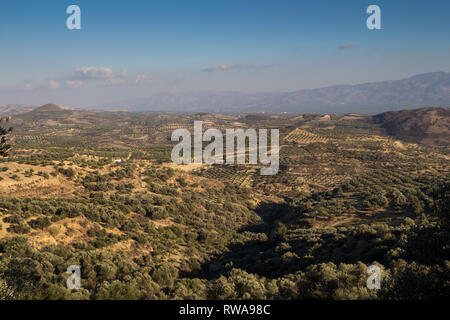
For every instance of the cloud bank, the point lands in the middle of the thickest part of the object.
(227, 67)
(98, 76)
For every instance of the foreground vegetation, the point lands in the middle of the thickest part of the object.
(346, 197)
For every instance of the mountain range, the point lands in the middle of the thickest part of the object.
(430, 89)
(424, 90)
(13, 109)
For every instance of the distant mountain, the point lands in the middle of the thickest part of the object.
(426, 125)
(50, 107)
(13, 109)
(16, 109)
(430, 89)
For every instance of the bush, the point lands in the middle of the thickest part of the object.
(69, 172)
(40, 223)
(20, 228)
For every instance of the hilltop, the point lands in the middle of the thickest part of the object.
(426, 125)
(49, 107)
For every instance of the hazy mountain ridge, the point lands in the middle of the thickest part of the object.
(13, 109)
(430, 89)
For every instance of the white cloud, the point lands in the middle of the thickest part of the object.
(105, 76)
(227, 66)
(87, 77)
(92, 73)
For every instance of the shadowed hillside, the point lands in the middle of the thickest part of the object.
(427, 125)
(48, 108)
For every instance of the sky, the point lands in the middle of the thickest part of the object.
(133, 49)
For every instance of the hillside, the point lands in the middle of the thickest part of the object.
(346, 196)
(427, 125)
(50, 107)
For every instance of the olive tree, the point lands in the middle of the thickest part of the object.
(4, 130)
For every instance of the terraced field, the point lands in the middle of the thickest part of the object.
(322, 180)
(239, 176)
(301, 136)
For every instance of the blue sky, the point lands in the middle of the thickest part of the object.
(135, 48)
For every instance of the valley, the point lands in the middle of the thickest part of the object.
(99, 190)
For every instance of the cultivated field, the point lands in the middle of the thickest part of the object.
(99, 190)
